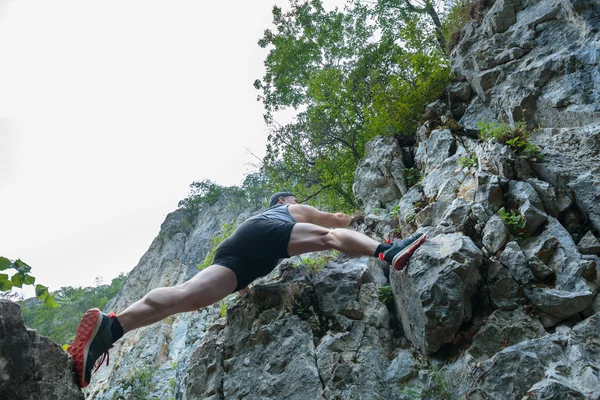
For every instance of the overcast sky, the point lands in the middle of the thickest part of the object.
(108, 111)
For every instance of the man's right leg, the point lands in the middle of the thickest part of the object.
(97, 331)
(207, 287)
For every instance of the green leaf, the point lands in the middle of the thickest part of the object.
(5, 283)
(22, 267)
(41, 292)
(28, 279)
(50, 303)
(16, 280)
(5, 263)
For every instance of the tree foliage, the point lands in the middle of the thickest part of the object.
(350, 75)
(60, 323)
(253, 193)
(21, 276)
(421, 7)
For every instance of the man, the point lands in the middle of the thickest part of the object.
(285, 229)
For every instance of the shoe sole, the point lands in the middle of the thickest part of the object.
(86, 330)
(401, 259)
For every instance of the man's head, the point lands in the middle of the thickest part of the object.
(282, 198)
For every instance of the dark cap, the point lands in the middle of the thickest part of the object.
(276, 196)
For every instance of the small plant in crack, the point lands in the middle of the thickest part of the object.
(413, 176)
(469, 161)
(393, 214)
(514, 137)
(452, 125)
(515, 223)
(385, 294)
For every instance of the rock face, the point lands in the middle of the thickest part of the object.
(534, 61)
(537, 61)
(304, 336)
(32, 367)
(561, 365)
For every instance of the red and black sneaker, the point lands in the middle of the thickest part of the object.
(401, 250)
(92, 340)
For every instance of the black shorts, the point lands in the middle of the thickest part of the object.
(254, 249)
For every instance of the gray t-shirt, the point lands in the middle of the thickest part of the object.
(279, 212)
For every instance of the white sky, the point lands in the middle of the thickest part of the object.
(108, 111)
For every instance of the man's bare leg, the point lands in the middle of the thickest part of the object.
(307, 237)
(207, 287)
(97, 332)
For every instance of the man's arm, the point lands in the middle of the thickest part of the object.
(306, 213)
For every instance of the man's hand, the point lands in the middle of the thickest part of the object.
(344, 219)
(358, 217)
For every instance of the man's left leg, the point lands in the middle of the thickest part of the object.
(307, 237)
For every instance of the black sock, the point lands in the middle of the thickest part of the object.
(116, 329)
(381, 248)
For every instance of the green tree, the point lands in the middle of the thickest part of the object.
(421, 7)
(351, 75)
(253, 193)
(208, 192)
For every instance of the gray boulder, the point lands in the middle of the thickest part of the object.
(555, 202)
(552, 389)
(433, 294)
(267, 355)
(432, 152)
(540, 270)
(338, 286)
(514, 259)
(206, 366)
(534, 217)
(589, 244)
(488, 196)
(520, 192)
(456, 216)
(32, 367)
(380, 179)
(570, 357)
(504, 291)
(403, 368)
(503, 329)
(589, 270)
(559, 303)
(351, 364)
(495, 234)
(495, 159)
(555, 247)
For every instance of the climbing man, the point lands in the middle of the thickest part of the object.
(285, 229)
